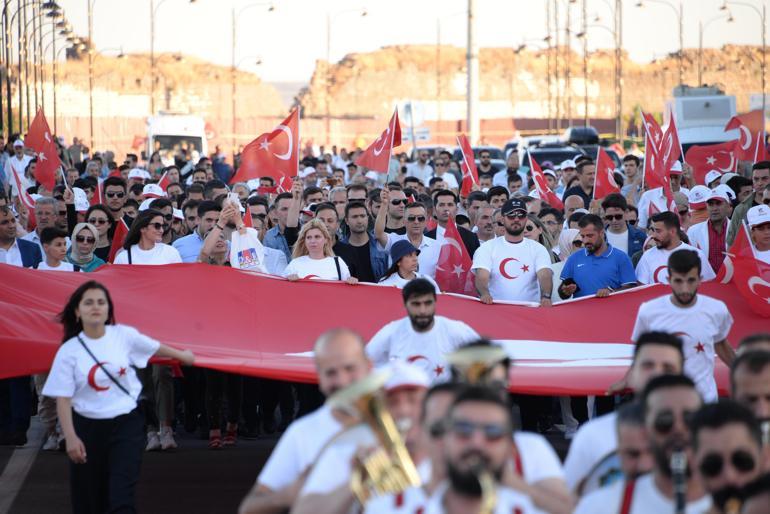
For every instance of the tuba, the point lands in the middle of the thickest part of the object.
(473, 363)
(389, 468)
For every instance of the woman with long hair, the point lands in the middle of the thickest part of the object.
(404, 255)
(144, 241)
(96, 387)
(313, 256)
(100, 217)
(536, 230)
(82, 253)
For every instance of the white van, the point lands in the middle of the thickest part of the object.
(171, 134)
(701, 115)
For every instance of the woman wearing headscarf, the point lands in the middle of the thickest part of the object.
(81, 253)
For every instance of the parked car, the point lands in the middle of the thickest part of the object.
(553, 152)
(497, 157)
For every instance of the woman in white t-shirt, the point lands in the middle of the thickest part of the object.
(94, 381)
(144, 241)
(403, 254)
(313, 256)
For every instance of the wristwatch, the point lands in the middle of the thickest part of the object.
(545, 295)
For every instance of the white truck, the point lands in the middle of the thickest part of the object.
(701, 115)
(172, 134)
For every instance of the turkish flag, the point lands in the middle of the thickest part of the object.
(274, 154)
(652, 157)
(375, 157)
(453, 269)
(670, 148)
(467, 165)
(721, 157)
(96, 198)
(751, 276)
(247, 218)
(541, 184)
(604, 179)
(751, 141)
(652, 129)
(40, 140)
(118, 238)
(164, 182)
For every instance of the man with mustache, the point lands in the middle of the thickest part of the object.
(669, 402)
(750, 385)
(701, 321)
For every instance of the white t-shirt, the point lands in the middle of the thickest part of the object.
(398, 341)
(63, 266)
(74, 373)
(700, 326)
(410, 501)
(414, 169)
(653, 266)
(448, 178)
(619, 241)
(161, 253)
(539, 461)
(298, 448)
(763, 256)
(513, 268)
(593, 442)
(324, 269)
(396, 280)
(646, 499)
(507, 501)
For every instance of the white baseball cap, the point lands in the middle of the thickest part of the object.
(81, 199)
(758, 215)
(178, 214)
(146, 204)
(568, 164)
(372, 175)
(306, 172)
(18, 142)
(727, 191)
(698, 196)
(717, 194)
(404, 374)
(676, 168)
(550, 172)
(138, 173)
(153, 191)
(726, 177)
(712, 175)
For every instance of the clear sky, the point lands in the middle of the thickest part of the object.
(291, 37)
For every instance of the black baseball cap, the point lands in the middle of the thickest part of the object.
(513, 205)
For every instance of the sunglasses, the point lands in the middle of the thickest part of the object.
(632, 222)
(492, 432)
(516, 215)
(419, 219)
(168, 217)
(158, 226)
(396, 202)
(500, 224)
(255, 216)
(115, 195)
(97, 221)
(437, 429)
(84, 239)
(664, 421)
(617, 217)
(62, 213)
(712, 464)
(529, 228)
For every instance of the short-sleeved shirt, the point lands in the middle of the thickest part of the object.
(63, 266)
(512, 268)
(700, 326)
(75, 374)
(653, 266)
(612, 269)
(323, 269)
(189, 246)
(161, 253)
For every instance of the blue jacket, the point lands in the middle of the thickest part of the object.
(377, 257)
(30, 252)
(275, 240)
(636, 238)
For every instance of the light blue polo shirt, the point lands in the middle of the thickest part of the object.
(612, 269)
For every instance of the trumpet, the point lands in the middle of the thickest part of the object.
(389, 469)
(474, 363)
(488, 492)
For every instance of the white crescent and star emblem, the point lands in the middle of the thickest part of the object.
(611, 178)
(711, 159)
(47, 137)
(755, 281)
(42, 156)
(453, 243)
(437, 369)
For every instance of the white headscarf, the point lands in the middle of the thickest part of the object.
(566, 248)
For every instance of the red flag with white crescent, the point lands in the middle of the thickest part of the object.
(453, 268)
(704, 158)
(670, 148)
(377, 155)
(750, 275)
(751, 139)
(39, 138)
(541, 184)
(118, 238)
(272, 154)
(467, 165)
(604, 179)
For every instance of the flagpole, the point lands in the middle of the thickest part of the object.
(596, 172)
(299, 142)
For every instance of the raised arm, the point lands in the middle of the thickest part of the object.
(382, 218)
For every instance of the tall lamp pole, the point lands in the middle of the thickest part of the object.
(701, 29)
(680, 17)
(763, 21)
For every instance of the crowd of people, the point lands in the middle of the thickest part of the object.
(339, 222)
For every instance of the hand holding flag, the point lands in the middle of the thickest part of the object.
(467, 165)
(377, 155)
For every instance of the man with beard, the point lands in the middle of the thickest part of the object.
(340, 361)
(652, 268)
(756, 496)
(710, 235)
(701, 321)
(477, 448)
(750, 385)
(485, 225)
(422, 337)
(669, 402)
(727, 446)
(513, 267)
(599, 268)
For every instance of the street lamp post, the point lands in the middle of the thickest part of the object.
(763, 21)
(701, 29)
(54, 55)
(474, 125)
(153, 12)
(680, 17)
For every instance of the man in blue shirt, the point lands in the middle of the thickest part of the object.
(189, 246)
(598, 269)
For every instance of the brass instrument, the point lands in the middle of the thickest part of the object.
(765, 426)
(389, 468)
(488, 492)
(678, 464)
(475, 362)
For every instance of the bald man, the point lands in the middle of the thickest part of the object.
(340, 360)
(571, 204)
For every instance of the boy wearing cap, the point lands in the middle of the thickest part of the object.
(758, 218)
(711, 235)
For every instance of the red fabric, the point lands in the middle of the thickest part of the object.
(751, 127)
(246, 328)
(720, 157)
(40, 140)
(670, 148)
(751, 276)
(604, 179)
(467, 165)
(541, 184)
(24, 196)
(118, 238)
(164, 182)
(96, 198)
(137, 142)
(274, 154)
(247, 218)
(375, 157)
(652, 141)
(453, 268)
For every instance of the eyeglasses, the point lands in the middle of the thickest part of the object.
(119, 194)
(98, 221)
(491, 431)
(516, 215)
(712, 464)
(257, 216)
(664, 421)
(437, 429)
(632, 222)
(168, 217)
(610, 217)
(63, 213)
(418, 219)
(403, 201)
(577, 243)
(84, 239)
(529, 228)
(158, 226)
(500, 224)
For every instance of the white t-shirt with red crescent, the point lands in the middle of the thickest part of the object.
(512, 268)
(74, 373)
(653, 266)
(700, 326)
(399, 341)
(322, 269)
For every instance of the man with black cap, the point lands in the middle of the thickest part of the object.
(513, 267)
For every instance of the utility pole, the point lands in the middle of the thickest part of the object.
(473, 76)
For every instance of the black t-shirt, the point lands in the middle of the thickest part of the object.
(358, 260)
(400, 231)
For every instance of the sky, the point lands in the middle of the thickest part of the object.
(289, 39)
